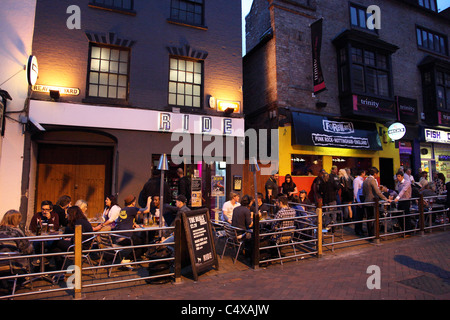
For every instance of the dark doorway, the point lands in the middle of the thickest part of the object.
(387, 172)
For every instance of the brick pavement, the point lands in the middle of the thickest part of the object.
(415, 268)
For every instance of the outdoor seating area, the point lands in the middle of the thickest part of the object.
(105, 263)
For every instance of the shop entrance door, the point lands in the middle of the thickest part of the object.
(387, 172)
(82, 172)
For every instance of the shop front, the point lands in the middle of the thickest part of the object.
(435, 152)
(88, 152)
(315, 142)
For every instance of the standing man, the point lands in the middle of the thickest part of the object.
(334, 178)
(359, 198)
(318, 187)
(184, 185)
(403, 200)
(272, 187)
(370, 192)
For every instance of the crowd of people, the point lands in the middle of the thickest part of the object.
(284, 201)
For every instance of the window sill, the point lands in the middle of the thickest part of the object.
(106, 101)
(112, 9)
(432, 52)
(185, 24)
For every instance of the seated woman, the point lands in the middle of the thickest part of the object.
(74, 217)
(110, 214)
(9, 228)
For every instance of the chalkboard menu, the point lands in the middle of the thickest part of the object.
(200, 240)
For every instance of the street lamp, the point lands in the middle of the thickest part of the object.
(254, 167)
(163, 166)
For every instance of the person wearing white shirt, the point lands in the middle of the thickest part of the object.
(228, 207)
(404, 194)
(357, 195)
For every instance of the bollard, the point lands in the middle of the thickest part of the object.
(78, 261)
(377, 221)
(421, 216)
(256, 243)
(319, 228)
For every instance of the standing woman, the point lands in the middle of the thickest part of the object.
(110, 214)
(288, 187)
(346, 193)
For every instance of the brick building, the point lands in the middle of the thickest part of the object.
(374, 78)
(116, 81)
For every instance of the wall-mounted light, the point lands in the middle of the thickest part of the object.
(212, 102)
(228, 106)
(54, 94)
(321, 104)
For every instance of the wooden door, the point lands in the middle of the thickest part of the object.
(82, 172)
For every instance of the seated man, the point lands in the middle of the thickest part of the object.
(243, 219)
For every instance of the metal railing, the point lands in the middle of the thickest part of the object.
(311, 234)
(79, 271)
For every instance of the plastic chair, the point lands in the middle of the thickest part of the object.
(85, 256)
(285, 236)
(105, 241)
(233, 238)
(13, 268)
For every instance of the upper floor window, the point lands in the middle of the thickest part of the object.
(367, 71)
(428, 4)
(431, 40)
(187, 11)
(108, 72)
(443, 90)
(185, 82)
(115, 4)
(359, 17)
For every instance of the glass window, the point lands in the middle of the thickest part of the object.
(185, 82)
(306, 165)
(108, 73)
(188, 11)
(352, 163)
(116, 4)
(431, 40)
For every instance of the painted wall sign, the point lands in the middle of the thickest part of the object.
(407, 110)
(82, 115)
(396, 131)
(313, 130)
(439, 136)
(62, 90)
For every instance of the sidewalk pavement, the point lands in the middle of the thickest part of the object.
(416, 268)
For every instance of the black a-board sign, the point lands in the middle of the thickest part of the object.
(199, 241)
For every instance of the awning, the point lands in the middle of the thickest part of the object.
(314, 130)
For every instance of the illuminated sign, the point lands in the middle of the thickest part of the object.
(432, 135)
(62, 90)
(223, 105)
(32, 70)
(396, 131)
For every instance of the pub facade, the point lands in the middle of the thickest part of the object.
(333, 76)
(132, 81)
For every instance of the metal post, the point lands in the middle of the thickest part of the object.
(177, 261)
(421, 216)
(377, 220)
(78, 261)
(161, 203)
(319, 229)
(256, 243)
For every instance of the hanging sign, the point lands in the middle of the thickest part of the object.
(32, 70)
(396, 131)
